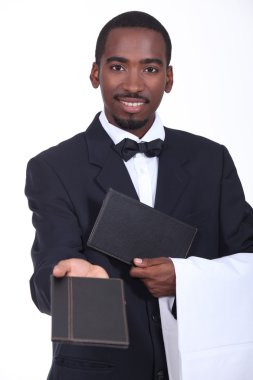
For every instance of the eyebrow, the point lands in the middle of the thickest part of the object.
(117, 59)
(143, 61)
(152, 60)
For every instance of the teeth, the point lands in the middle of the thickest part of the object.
(130, 104)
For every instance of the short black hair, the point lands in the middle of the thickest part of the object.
(132, 19)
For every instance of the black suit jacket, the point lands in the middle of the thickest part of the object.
(197, 183)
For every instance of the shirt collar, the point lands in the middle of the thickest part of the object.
(117, 134)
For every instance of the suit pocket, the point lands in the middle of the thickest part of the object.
(67, 368)
(82, 364)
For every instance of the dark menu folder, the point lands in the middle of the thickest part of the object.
(89, 311)
(126, 228)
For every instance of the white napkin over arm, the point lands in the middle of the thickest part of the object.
(213, 335)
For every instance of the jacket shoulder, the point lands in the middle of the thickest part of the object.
(191, 143)
(70, 150)
(65, 149)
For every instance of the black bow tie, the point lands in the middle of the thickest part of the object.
(127, 148)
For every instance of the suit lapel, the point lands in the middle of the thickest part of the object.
(113, 172)
(172, 177)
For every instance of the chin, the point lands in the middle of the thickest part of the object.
(130, 124)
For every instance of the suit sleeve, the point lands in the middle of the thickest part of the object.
(236, 215)
(58, 234)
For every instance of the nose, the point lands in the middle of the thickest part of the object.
(133, 82)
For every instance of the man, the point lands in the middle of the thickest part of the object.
(192, 179)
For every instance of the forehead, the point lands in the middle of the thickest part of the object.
(138, 42)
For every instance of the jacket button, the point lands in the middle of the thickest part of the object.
(160, 375)
(156, 318)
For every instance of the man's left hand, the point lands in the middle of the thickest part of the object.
(158, 275)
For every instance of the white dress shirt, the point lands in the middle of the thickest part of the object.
(143, 170)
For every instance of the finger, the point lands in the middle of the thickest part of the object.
(138, 262)
(98, 272)
(147, 262)
(61, 269)
(138, 273)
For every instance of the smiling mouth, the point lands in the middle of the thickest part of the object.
(132, 107)
(131, 104)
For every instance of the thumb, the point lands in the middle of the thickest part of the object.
(61, 269)
(148, 262)
(141, 263)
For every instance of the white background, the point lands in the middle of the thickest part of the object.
(46, 52)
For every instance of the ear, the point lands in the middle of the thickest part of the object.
(94, 75)
(169, 81)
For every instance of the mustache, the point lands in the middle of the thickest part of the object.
(131, 95)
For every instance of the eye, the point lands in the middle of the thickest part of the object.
(151, 70)
(117, 68)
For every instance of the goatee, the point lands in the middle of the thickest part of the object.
(130, 125)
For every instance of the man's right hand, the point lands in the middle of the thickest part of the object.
(78, 268)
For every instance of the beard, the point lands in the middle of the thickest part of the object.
(129, 124)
